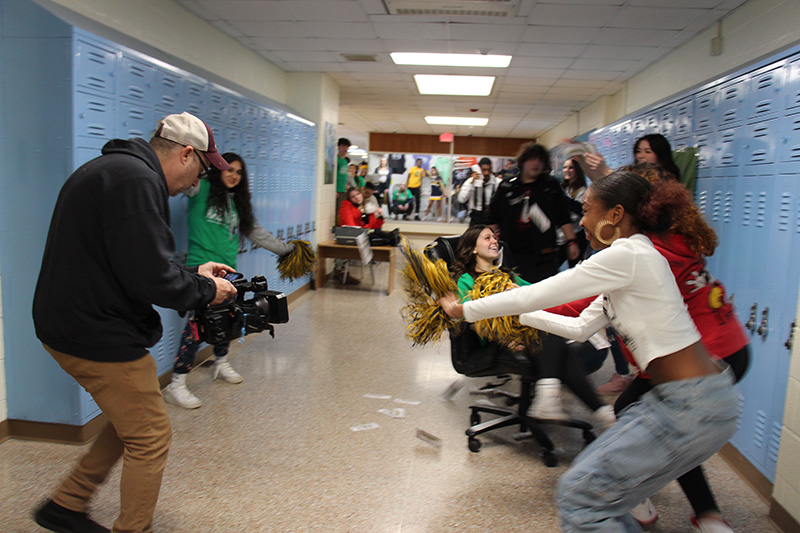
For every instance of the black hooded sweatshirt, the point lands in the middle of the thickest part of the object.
(109, 258)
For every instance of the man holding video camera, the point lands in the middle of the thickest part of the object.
(108, 259)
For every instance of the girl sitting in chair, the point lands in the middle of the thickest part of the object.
(478, 252)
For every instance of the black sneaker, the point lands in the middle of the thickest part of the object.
(62, 520)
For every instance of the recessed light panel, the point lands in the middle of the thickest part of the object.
(450, 60)
(454, 85)
(457, 121)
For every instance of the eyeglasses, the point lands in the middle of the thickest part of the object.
(204, 173)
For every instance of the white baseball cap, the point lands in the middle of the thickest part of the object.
(188, 130)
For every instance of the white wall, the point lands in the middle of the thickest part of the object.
(757, 29)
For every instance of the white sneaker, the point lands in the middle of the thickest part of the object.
(605, 415)
(177, 393)
(711, 524)
(546, 403)
(224, 370)
(645, 513)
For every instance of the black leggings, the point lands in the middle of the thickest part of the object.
(415, 192)
(561, 360)
(693, 482)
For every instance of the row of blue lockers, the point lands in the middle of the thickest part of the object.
(746, 128)
(72, 101)
(732, 122)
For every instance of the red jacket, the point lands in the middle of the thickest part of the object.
(350, 215)
(722, 333)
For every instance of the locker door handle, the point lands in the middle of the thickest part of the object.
(751, 322)
(790, 341)
(763, 327)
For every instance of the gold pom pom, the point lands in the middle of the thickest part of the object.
(504, 329)
(298, 262)
(424, 282)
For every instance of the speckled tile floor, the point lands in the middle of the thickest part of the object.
(276, 454)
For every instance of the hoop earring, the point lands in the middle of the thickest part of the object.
(599, 227)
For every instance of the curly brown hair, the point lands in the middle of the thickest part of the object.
(688, 222)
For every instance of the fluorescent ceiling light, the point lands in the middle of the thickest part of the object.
(457, 121)
(450, 60)
(300, 119)
(454, 85)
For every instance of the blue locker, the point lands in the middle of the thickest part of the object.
(216, 106)
(169, 87)
(95, 66)
(684, 117)
(136, 79)
(94, 116)
(759, 147)
(792, 83)
(704, 142)
(134, 120)
(731, 108)
(666, 121)
(789, 145)
(704, 110)
(765, 92)
(196, 99)
(233, 111)
(727, 151)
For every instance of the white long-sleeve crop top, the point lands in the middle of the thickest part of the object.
(638, 296)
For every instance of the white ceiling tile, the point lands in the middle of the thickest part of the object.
(617, 52)
(550, 50)
(408, 31)
(558, 34)
(303, 56)
(265, 28)
(659, 18)
(603, 64)
(590, 15)
(541, 62)
(339, 30)
(484, 32)
(634, 37)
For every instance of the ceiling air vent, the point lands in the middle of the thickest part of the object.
(481, 8)
(363, 58)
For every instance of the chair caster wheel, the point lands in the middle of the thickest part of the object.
(550, 459)
(474, 419)
(474, 445)
(588, 436)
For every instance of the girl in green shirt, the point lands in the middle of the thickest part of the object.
(220, 218)
(478, 252)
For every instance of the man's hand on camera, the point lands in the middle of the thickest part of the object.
(225, 290)
(214, 270)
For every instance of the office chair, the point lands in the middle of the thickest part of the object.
(472, 359)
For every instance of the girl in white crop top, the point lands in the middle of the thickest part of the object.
(664, 435)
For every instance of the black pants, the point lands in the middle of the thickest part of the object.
(415, 192)
(534, 268)
(693, 482)
(562, 360)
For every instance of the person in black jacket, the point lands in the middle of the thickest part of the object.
(526, 210)
(107, 261)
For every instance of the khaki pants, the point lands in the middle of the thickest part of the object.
(139, 430)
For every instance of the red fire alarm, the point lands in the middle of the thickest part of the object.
(446, 137)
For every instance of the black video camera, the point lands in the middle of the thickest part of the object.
(241, 317)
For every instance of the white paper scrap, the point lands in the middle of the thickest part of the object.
(364, 427)
(406, 402)
(378, 396)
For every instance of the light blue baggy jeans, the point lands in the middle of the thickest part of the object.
(670, 430)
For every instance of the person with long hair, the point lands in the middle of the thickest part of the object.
(353, 212)
(574, 186)
(692, 410)
(526, 211)
(653, 149)
(478, 252)
(689, 241)
(220, 218)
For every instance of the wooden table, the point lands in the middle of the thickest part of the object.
(331, 250)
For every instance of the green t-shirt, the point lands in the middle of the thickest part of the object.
(402, 198)
(212, 237)
(342, 165)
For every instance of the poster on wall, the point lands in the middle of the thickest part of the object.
(330, 152)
